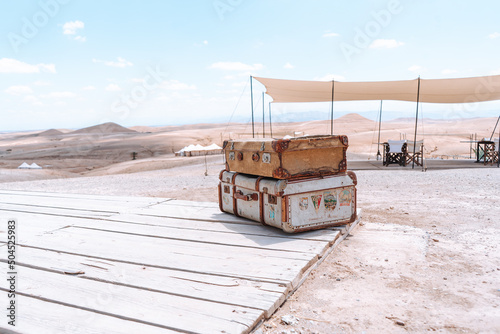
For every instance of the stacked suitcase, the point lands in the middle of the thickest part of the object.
(295, 184)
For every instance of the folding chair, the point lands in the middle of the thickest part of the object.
(395, 152)
(419, 152)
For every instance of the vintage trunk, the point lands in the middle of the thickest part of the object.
(292, 205)
(287, 158)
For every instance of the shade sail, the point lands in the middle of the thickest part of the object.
(462, 90)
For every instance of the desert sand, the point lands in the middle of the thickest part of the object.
(424, 258)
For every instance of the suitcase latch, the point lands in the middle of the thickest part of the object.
(250, 197)
(271, 199)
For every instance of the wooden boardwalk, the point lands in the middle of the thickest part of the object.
(108, 264)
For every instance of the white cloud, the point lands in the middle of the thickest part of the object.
(70, 28)
(18, 90)
(235, 66)
(58, 95)
(205, 42)
(120, 63)
(288, 66)
(50, 68)
(494, 35)
(448, 71)
(330, 77)
(33, 100)
(495, 72)
(88, 88)
(385, 44)
(8, 65)
(330, 34)
(415, 68)
(177, 85)
(240, 84)
(113, 88)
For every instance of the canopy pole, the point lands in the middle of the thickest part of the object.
(416, 125)
(379, 125)
(263, 120)
(498, 148)
(270, 121)
(251, 100)
(493, 133)
(331, 116)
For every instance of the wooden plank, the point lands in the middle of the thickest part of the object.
(38, 225)
(203, 213)
(327, 234)
(257, 264)
(168, 311)
(41, 317)
(185, 212)
(232, 291)
(73, 203)
(107, 198)
(177, 202)
(52, 211)
(324, 234)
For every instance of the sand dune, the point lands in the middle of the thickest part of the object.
(51, 132)
(109, 127)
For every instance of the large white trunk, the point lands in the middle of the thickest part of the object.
(293, 206)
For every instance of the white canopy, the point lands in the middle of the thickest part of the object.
(198, 147)
(35, 166)
(463, 90)
(24, 165)
(213, 147)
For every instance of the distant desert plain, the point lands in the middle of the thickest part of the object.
(107, 148)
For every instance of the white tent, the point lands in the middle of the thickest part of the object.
(24, 165)
(197, 150)
(35, 166)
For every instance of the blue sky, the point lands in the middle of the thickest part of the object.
(75, 63)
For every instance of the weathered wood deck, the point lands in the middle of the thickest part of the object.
(103, 264)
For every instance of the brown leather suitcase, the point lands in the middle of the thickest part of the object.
(291, 205)
(301, 157)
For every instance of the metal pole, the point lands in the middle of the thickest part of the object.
(498, 149)
(331, 116)
(263, 120)
(251, 99)
(493, 133)
(379, 125)
(470, 145)
(416, 124)
(270, 121)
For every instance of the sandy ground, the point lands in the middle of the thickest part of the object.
(425, 257)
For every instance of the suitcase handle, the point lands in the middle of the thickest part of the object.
(251, 197)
